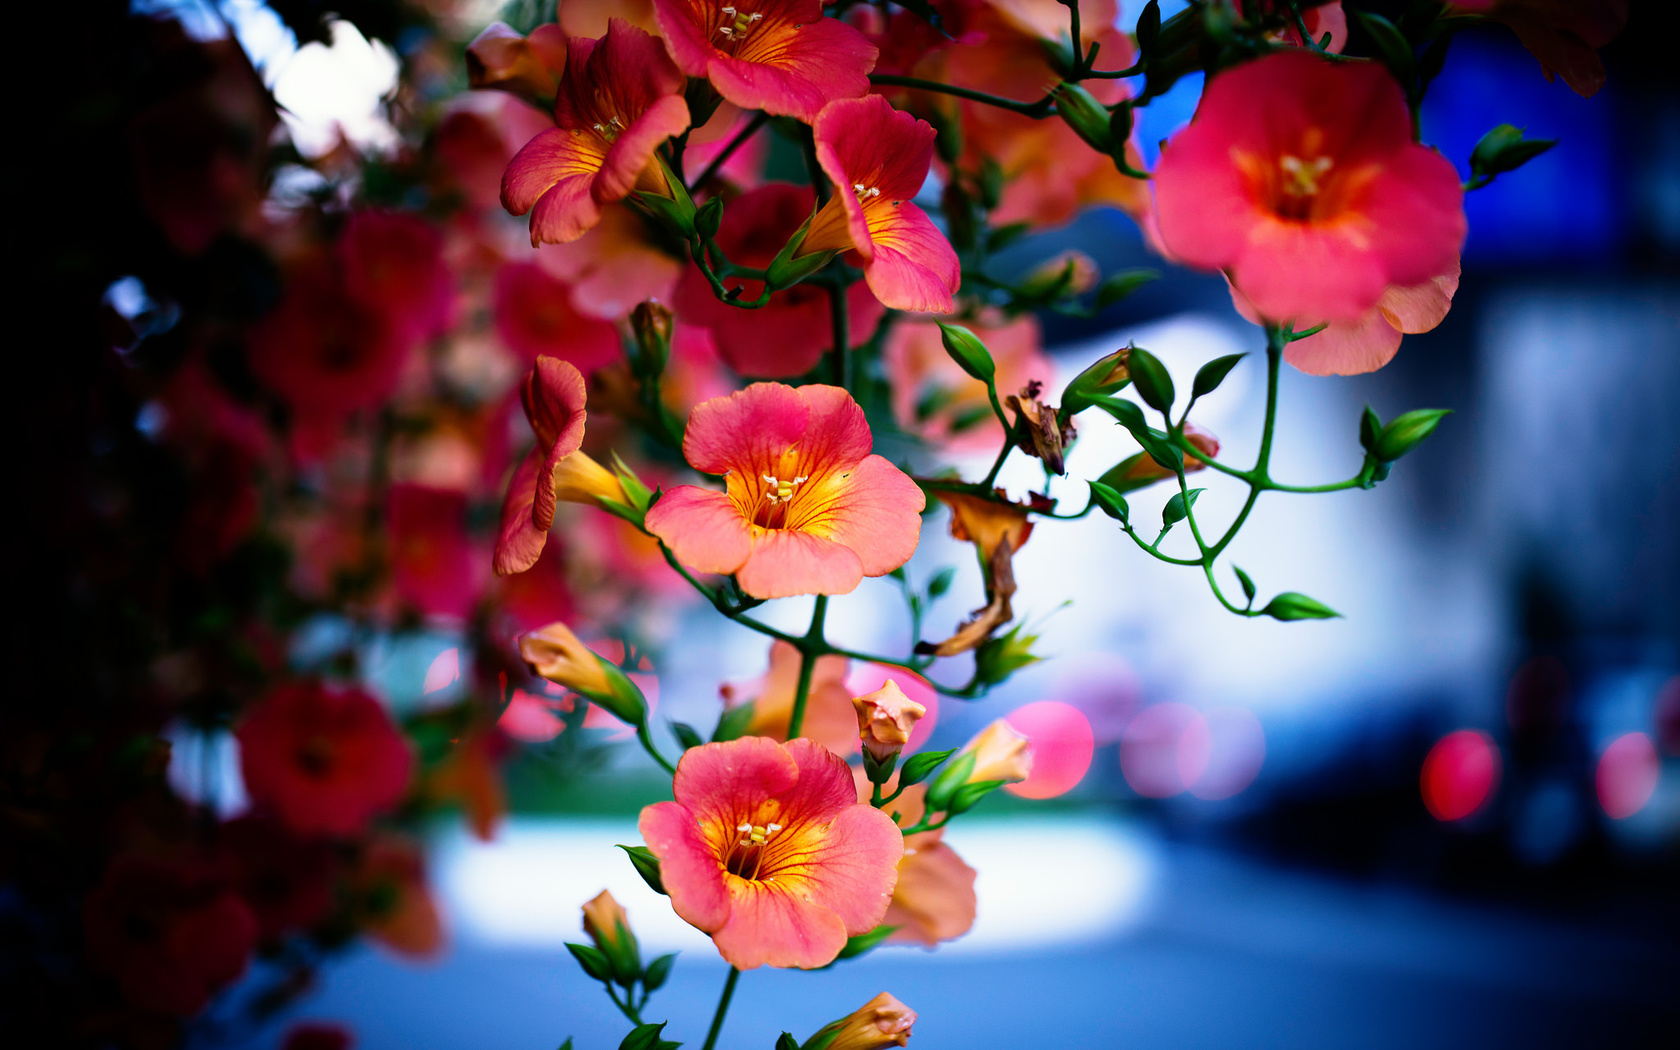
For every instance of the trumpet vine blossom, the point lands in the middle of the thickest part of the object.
(781, 56)
(767, 849)
(619, 98)
(807, 509)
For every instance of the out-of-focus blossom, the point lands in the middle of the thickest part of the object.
(1564, 35)
(169, 930)
(471, 775)
(934, 899)
(527, 66)
(997, 528)
(535, 318)
(392, 901)
(325, 761)
(808, 509)
(591, 18)
(538, 595)
(619, 99)
(881, 1022)
(1299, 178)
(935, 399)
(790, 334)
(1066, 273)
(767, 849)
(286, 881)
(877, 158)
(433, 568)
(828, 706)
(553, 395)
(742, 169)
(1365, 345)
(394, 262)
(781, 56)
(612, 268)
(885, 718)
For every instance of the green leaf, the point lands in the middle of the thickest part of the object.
(786, 1041)
(1505, 149)
(1125, 412)
(1109, 501)
(1369, 427)
(1390, 44)
(1247, 584)
(1118, 286)
(685, 734)
(1178, 508)
(1004, 236)
(1210, 375)
(567, 1045)
(1148, 26)
(647, 866)
(1292, 605)
(941, 582)
(863, 942)
(1406, 431)
(733, 723)
(918, 768)
(657, 971)
(967, 351)
(593, 960)
(1151, 379)
(644, 1037)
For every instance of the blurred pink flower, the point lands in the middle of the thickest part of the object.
(535, 317)
(933, 398)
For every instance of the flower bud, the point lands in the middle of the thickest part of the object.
(526, 66)
(881, 1022)
(1139, 470)
(1067, 273)
(885, 718)
(1085, 115)
(608, 926)
(555, 653)
(651, 323)
(1000, 754)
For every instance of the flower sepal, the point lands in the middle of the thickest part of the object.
(788, 268)
(674, 209)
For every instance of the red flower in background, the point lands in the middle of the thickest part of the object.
(169, 930)
(781, 56)
(789, 335)
(1300, 179)
(391, 899)
(535, 317)
(393, 261)
(325, 760)
(1564, 35)
(619, 99)
(286, 881)
(433, 567)
(934, 398)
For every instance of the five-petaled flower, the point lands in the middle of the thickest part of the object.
(767, 849)
(878, 157)
(808, 508)
(1300, 179)
(781, 56)
(619, 98)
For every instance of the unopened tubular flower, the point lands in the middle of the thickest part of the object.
(808, 509)
(554, 470)
(619, 99)
(527, 66)
(885, 718)
(767, 849)
(608, 926)
(1299, 178)
(878, 158)
(555, 653)
(1000, 754)
(881, 1022)
(781, 56)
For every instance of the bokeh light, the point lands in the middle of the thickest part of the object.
(1153, 755)
(1460, 774)
(1229, 746)
(530, 718)
(1062, 744)
(1627, 775)
(444, 671)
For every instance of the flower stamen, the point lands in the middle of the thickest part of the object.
(736, 24)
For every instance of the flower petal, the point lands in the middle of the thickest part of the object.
(795, 70)
(520, 543)
(703, 529)
(914, 267)
(875, 511)
(748, 431)
(633, 150)
(688, 864)
(1346, 348)
(551, 178)
(770, 924)
(784, 563)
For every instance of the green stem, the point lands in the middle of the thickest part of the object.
(716, 164)
(722, 1008)
(1003, 454)
(1036, 110)
(810, 647)
(1259, 478)
(841, 332)
(624, 1007)
(646, 738)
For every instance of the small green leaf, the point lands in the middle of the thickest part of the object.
(1004, 236)
(1390, 44)
(593, 960)
(1405, 432)
(1109, 501)
(1118, 286)
(1126, 413)
(733, 723)
(647, 866)
(786, 1041)
(941, 582)
(657, 971)
(1369, 427)
(644, 1037)
(1210, 375)
(685, 734)
(863, 942)
(1178, 507)
(918, 768)
(967, 351)
(567, 1045)
(1149, 26)
(1150, 377)
(1292, 605)
(1247, 584)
